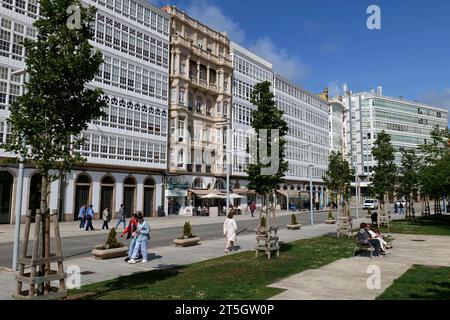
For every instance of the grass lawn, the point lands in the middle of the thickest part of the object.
(432, 225)
(420, 283)
(233, 277)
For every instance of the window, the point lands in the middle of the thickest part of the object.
(182, 69)
(198, 105)
(225, 108)
(182, 101)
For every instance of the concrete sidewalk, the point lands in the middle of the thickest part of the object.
(165, 257)
(346, 279)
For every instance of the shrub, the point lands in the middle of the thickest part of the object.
(263, 222)
(112, 242)
(330, 215)
(293, 219)
(187, 231)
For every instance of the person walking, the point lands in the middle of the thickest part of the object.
(106, 218)
(395, 208)
(401, 207)
(252, 208)
(142, 237)
(121, 217)
(89, 218)
(82, 216)
(229, 231)
(130, 231)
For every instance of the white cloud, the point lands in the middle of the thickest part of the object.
(212, 16)
(283, 63)
(439, 99)
(335, 89)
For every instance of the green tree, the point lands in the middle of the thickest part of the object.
(337, 178)
(266, 116)
(408, 179)
(47, 120)
(434, 174)
(384, 178)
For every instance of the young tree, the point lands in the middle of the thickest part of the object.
(384, 178)
(338, 177)
(434, 175)
(408, 179)
(47, 120)
(267, 116)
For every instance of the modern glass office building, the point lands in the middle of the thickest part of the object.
(409, 124)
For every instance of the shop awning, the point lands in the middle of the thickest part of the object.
(244, 191)
(291, 194)
(202, 192)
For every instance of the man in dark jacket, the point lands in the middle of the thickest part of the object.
(365, 238)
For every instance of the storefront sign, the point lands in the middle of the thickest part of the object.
(176, 193)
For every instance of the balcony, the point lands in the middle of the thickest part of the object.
(208, 169)
(198, 168)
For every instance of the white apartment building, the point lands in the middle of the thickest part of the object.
(307, 117)
(126, 150)
(307, 147)
(409, 124)
(336, 122)
(248, 70)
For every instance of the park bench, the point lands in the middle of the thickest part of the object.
(363, 247)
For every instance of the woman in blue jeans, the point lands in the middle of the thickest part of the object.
(130, 231)
(143, 235)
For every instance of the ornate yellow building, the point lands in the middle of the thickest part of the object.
(200, 105)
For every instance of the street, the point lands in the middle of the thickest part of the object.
(82, 245)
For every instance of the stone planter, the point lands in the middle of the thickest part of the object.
(293, 226)
(110, 253)
(186, 242)
(330, 221)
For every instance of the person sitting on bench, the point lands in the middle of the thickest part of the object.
(376, 234)
(364, 238)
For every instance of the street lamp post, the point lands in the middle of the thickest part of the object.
(310, 184)
(356, 194)
(228, 162)
(18, 212)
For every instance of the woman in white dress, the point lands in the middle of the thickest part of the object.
(229, 230)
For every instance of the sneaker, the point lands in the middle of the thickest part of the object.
(226, 250)
(127, 259)
(144, 261)
(132, 261)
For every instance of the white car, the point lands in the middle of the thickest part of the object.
(370, 204)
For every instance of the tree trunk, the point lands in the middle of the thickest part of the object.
(339, 204)
(45, 191)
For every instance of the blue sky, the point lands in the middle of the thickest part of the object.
(324, 43)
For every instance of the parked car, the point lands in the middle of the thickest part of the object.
(370, 204)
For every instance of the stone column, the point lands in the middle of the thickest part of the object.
(96, 197)
(177, 63)
(172, 61)
(207, 75)
(198, 71)
(188, 66)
